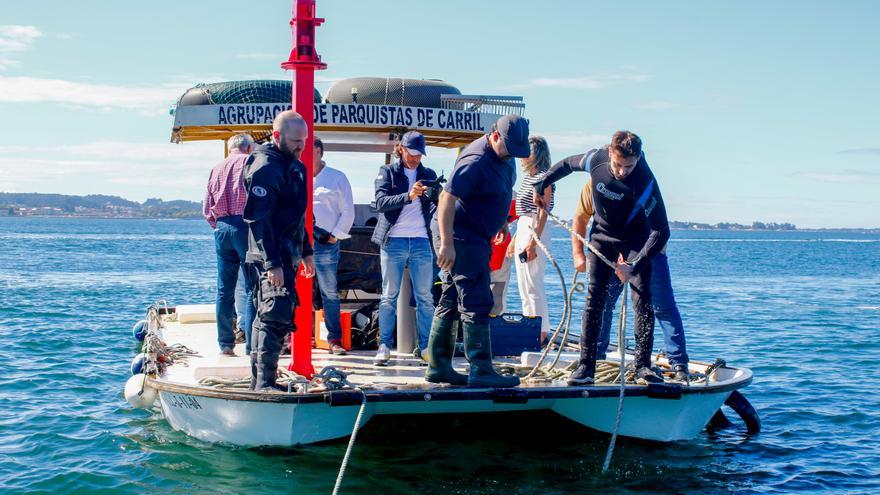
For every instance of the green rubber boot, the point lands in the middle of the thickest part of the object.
(441, 345)
(478, 349)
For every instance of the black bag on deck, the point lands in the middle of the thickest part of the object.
(365, 327)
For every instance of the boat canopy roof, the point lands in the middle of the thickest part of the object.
(217, 111)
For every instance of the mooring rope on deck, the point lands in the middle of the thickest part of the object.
(566, 308)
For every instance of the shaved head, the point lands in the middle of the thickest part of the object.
(289, 132)
(287, 119)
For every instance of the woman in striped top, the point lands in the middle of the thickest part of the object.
(530, 274)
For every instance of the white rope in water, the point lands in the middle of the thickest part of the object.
(621, 340)
(357, 425)
(621, 348)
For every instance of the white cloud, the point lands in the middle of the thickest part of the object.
(843, 177)
(860, 151)
(258, 56)
(154, 100)
(574, 141)
(656, 105)
(15, 39)
(146, 100)
(591, 82)
(132, 170)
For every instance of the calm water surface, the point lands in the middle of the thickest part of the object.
(800, 309)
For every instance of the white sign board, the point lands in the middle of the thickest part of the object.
(334, 114)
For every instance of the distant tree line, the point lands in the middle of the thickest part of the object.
(97, 203)
(732, 226)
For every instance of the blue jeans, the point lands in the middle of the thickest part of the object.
(230, 242)
(397, 254)
(665, 310)
(241, 298)
(326, 262)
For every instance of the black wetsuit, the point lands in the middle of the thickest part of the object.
(630, 219)
(275, 214)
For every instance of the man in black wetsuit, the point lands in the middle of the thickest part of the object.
(275, 180)
(629, 226)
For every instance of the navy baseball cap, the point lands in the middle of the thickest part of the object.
(414, 142)
(515, 132)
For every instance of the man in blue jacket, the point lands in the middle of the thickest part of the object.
(275, 210)
(473, 209)
(403, 235)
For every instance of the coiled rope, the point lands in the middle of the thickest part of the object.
(566, 307)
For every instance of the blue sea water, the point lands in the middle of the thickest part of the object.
(801, 309)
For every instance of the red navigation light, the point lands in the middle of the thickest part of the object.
(304, 61)
(303, 26)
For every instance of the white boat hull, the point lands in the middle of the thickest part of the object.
(258, 422)
(662, 413)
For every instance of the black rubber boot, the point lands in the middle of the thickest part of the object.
(681, 373)
(264, 358)
(441, 345)
(586, 370)
(478, 349)
(646, 375)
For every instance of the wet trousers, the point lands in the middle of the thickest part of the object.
(597, 297)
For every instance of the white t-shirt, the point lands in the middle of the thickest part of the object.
(410, 223)
(332, 202)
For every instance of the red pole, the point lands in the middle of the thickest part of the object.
(304, 61)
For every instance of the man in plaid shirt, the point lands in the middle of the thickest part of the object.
(223, 208)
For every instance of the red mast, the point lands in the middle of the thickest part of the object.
(304, 61)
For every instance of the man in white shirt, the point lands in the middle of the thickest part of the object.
(333, 208)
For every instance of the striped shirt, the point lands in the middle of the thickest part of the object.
(226, 194)
(524, 203)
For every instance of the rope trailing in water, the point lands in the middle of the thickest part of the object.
(621, 349)
(354, 431)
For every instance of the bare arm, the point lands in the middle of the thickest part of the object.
(540, 223)
(445, 219)
(579, 224)
(541, 218)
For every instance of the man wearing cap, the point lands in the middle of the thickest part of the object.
(403, 235)
(473, 209)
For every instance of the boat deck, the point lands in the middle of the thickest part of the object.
(196, 330)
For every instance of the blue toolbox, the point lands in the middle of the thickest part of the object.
(512, 334)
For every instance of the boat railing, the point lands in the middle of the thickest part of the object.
(500, 105)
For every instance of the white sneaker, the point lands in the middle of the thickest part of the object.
(424, 355)
(382, 356)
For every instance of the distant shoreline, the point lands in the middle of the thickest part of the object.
(850, 230)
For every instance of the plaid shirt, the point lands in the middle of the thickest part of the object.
(226, 194)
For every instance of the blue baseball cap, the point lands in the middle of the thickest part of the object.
(414, 142)
(514, 130)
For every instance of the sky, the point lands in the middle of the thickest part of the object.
(748, 110)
